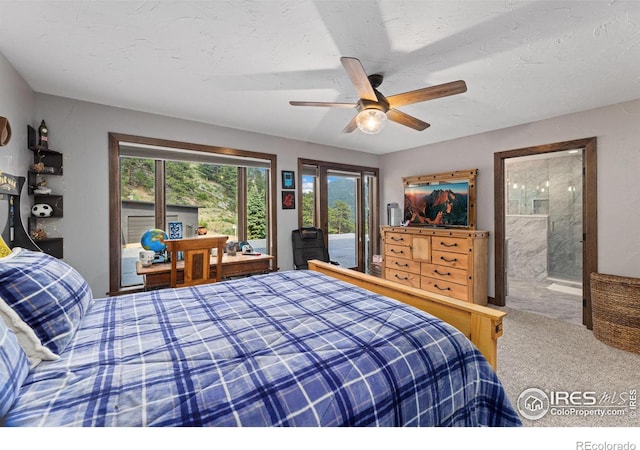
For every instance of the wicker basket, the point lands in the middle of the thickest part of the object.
(615, 302)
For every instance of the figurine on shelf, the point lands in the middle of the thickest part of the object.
(41, 188)
(44, 135)
(38, 167)
(39, 234)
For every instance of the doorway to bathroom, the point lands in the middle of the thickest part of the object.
(546, 240)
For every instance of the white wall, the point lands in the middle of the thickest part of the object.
(80, 130)
(617, 129)
(17, 102)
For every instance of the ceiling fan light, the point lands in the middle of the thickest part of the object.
(371, 121)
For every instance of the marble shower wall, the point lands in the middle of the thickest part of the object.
(526, 244)
(544, 218)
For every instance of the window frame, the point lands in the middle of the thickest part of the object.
(115, 211)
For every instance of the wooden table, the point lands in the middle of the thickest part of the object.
(159, 275)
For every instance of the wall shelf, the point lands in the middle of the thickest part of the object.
(53, 161)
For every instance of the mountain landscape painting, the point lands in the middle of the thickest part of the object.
(442, 204)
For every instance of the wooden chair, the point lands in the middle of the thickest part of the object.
(196, 260)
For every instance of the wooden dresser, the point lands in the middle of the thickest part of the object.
(451, 262)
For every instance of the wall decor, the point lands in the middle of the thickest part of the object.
(5, 131)
(288, 179)
(441, 200)
(288, 199)
(175, 230)
(43, 131)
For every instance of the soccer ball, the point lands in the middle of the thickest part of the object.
(42, 210)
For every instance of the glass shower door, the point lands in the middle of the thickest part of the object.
(565, 219)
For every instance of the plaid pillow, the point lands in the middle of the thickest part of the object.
(13, 368)
(50, 296)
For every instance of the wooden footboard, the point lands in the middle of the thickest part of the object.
(482, 325)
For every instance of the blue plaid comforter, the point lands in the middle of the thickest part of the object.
(290, 348)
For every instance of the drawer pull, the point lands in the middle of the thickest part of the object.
(442, 289)
(444, 244)
(401, 265)
(449, 260)
(397, 239)
(396, 251)
(437, 272)
(401, 278)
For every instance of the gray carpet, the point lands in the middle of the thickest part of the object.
(555, 355)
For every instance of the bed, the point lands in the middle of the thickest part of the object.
(292, 348)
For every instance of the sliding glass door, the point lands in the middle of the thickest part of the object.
(342, 201)
(343, 218)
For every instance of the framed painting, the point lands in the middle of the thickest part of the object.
(288, 179)
(288, 200)
(175, 230)
(441, 200)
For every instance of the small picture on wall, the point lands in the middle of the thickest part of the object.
(288, 199)
(288, 179)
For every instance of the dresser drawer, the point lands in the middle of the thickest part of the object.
(399, 251)
(457, 260)
(407, 265)
(421, 248)
(453, 262)
(410, 279)
(458, 291)
(445, 273)
(398, 239)
(451, 244)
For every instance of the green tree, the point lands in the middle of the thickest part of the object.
(137, 179)
(340, 218)
(256, 214)
(307, 209)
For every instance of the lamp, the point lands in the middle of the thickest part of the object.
(371, 120)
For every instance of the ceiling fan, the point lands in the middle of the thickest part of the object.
(374, 108)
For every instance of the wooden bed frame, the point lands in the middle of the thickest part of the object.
(481, 325)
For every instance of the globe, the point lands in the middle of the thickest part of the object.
(154, 240)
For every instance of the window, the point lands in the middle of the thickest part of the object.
(155, 182)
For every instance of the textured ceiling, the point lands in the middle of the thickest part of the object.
(238, 63)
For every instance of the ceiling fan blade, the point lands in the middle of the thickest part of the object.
(326, 104)
(429, 93)
(406, 120)
(352, 125)
(359, 78)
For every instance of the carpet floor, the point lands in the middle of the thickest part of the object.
(560, 357)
